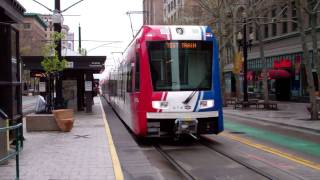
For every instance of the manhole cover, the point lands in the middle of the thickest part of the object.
(82, 136)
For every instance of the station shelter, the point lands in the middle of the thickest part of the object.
(77, 79)
(11, 14)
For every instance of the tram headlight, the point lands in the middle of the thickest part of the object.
(206, 104)
(160, 104)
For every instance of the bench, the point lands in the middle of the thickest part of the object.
(230, 100)
(270, 105)
(41, 122)
(243, 104)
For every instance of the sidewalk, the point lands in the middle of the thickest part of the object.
(288, 114)
(82, 153)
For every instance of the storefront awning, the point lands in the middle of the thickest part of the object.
(250, 75)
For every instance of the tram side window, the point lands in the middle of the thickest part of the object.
(129, 81)
(137, 73)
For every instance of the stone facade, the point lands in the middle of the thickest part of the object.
(186, 12)
(153, 12)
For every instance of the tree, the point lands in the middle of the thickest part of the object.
(52, 65)
(217, 10)
(301, 6)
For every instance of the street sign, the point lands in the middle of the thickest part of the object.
(42, 86)
(88, 86)
(69, 64)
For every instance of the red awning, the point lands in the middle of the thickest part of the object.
(278, 73)
(250, 75)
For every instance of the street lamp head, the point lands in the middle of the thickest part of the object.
(239, 36)
(244, 14)
(251, 36)
(57, 18)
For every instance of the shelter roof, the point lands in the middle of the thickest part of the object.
(37, 18)
(92, 63)
(13, 10)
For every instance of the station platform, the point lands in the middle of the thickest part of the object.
(87, 152)
(288, 114)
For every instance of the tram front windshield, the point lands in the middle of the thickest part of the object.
(181, 65)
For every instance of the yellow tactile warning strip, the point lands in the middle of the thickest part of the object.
(273, 151)
(114, 156)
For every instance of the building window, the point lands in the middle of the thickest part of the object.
(274, 25)
(266, 31)
(27, 26)
(285, 27)
(294, 17)
(284, 24)
(257, 33)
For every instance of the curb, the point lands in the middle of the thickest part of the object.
(272, 122)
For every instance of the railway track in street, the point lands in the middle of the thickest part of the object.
(210, 157)
(205, 142)
(178, 167)
(204, 145)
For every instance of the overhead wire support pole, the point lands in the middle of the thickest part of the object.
(129, 14)
(245, 56)
(57, 18)
(71, 6)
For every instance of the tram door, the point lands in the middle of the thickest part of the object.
(136, 85)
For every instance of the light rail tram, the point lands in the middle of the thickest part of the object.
(168, 83)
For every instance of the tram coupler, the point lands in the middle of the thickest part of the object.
(185, 126)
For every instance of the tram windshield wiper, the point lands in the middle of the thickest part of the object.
(189, 97)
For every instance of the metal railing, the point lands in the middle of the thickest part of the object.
(17, 140)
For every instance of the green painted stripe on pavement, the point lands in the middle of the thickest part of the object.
(286, 141)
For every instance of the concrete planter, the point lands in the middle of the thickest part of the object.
(64, 119)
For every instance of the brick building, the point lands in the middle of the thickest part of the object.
(32, 35)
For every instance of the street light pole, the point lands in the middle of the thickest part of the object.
(57, 28)
(245, 57)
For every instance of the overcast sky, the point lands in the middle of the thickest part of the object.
(99, 19)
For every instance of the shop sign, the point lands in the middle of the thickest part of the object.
(283, 63)
(95, 64)
(42, 86)
(70, 64)
(88, 86)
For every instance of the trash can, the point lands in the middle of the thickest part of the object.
(4, 136)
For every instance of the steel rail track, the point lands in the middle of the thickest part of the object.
(180, 169)
(206, 142)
